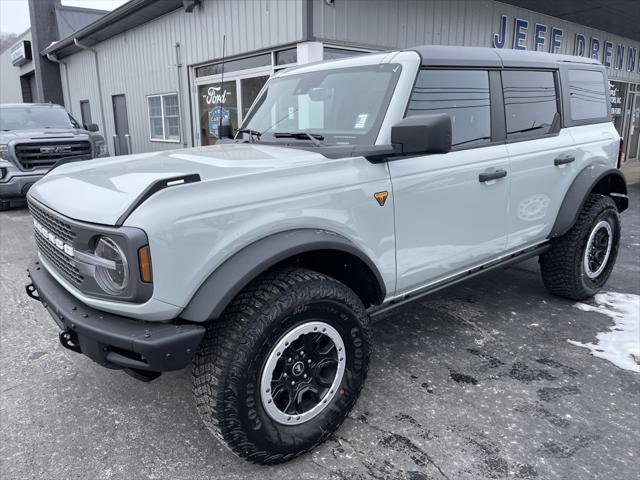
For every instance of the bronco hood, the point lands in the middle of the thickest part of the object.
(102, 190)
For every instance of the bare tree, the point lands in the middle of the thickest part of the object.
(6, 40)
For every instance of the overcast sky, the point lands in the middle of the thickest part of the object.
(14, 14)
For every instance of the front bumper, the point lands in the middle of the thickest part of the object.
(143, 348)
(17, 186)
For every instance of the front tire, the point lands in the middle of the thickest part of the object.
(579, 263)
(284, 365)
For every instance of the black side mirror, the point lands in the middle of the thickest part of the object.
(224, 128)
(91, 127)
(423, 134)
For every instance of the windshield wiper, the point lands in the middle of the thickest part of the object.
(252, 133)
(314, 137)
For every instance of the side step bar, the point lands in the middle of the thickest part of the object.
(510, 260)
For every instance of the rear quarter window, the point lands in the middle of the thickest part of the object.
(587, 95)
(531, 103)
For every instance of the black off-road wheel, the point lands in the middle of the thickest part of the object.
(282, 368)
(580, 262)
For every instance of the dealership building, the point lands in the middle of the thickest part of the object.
(150, 72)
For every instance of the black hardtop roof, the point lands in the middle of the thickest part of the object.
(440, 55)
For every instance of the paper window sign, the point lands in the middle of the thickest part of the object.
(215, 115)
(361, 120)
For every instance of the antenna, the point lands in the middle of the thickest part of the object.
(224, 44)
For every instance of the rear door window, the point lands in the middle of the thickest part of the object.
(587, 95)
(463, 94)
(531, 103)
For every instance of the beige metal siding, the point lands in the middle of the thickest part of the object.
(404, 23)
(142, 61)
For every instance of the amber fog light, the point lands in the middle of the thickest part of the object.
(113, 277)
(144, 260)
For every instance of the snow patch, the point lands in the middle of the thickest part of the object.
(620, 344)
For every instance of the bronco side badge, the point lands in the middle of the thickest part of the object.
(381, 197)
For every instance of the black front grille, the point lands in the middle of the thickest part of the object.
(39, 155)
(57, 226)
(62, 230)
(62, 262)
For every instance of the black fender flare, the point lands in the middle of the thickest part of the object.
(612, 183)
(235, 273)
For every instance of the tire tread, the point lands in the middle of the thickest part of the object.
(223, 345)
(561, 264)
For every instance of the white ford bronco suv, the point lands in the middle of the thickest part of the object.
(352, 187)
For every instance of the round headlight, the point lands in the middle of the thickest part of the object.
(111, 280)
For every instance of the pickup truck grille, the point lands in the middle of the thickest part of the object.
(39, 155)
(56, 256)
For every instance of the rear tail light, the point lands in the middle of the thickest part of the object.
(621, 154)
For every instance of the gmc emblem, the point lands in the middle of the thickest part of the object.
(56, 149)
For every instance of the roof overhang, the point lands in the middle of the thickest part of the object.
(620, 17)
(123, 18)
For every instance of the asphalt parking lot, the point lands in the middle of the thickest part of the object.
(477, 381)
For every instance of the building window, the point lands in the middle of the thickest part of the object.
(287, 57)
(331, 53)
(234, 65)
(164, 117)
(463, 94)
(85, 113)
(530, 103)
(587, 94)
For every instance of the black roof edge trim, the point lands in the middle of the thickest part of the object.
(132, 7)
(156, 187)
(464, 56)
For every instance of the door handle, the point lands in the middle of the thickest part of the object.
(563, 160)
(488, 176)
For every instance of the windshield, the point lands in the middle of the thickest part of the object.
(27, 118)
(343, 106)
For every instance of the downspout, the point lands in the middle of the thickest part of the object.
(95, 57)
(53, 58)
(183, 135)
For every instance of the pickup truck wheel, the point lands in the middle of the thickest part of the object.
(284, 365)
(580, 262)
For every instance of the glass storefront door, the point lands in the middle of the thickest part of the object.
(216, 102)
(231, 100)
(633, 148)
(249, 89)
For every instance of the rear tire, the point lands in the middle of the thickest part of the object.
(242, 375)
(579, 263)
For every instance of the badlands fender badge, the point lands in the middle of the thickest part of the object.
(381, 197)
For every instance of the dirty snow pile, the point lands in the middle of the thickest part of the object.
(621, 343)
